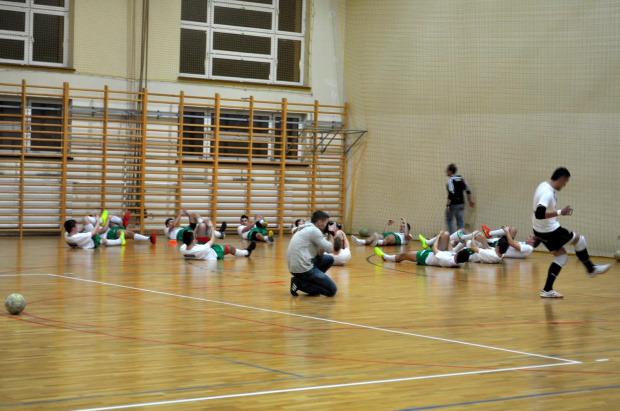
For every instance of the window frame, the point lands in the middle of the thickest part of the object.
(210, 28)
(271, 137)
(28, 132)
(29, 8)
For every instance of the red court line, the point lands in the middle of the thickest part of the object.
(152, 303)
(296, 355)
(482, 325)
(206, 347)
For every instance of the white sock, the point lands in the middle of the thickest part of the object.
(141, 238)
(200, 221)
(241, 253)
(389, 257)
(116, 219)
(218, 234)
(431, 241)
(358, 240)
(459, 247)
(497, 233)
(118, 241)
(379, 242)
(466, 237)
(454, 237)
(92, 220)
(88, 228)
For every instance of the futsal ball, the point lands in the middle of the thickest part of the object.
(617, 255)
(15, 303)
(364, 232)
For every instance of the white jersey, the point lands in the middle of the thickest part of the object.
(241, 233)
(403, 239)
(442, 259)
(80, 240)
(342, 257)
(172, 234)
(545, 196)
(485, 255)
(198, 252)
(526, 251)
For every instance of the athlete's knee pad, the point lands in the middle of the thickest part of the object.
(581, 244)
(561, 260)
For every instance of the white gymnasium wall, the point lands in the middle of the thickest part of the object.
(507, 90)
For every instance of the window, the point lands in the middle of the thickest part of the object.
(194, 133)
(34, 32)
(234, 137)
(291, 146)
(238, 137)
(43, 131)
(253, 40)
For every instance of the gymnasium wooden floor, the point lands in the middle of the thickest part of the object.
(137, 326)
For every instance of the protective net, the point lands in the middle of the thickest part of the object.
(506, 90)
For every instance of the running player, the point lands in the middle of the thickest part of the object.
(555, 237)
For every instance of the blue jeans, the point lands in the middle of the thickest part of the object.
(315, 281)
(457, 211)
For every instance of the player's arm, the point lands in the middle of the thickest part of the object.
(250, 226)
(344, 239)
(209, 224)
(97, 224)
(511, 241)
(435, 244)
(542, 213)
(408, 236)
(326, 245)
(177, 220)
(474, 246)
(387, 227)
(106, 227)
(468, 192)
(450, 188)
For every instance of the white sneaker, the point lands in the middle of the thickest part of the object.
(358, 241)
(550, 294)
(375, 239)
(599, 269)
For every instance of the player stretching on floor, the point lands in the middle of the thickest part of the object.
(388, 237)
(191, 250)
(441, 255)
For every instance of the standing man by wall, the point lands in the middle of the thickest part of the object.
(455, 205)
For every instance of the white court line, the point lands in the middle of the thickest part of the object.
(319, 319)
(247, 394)
(320, 387)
